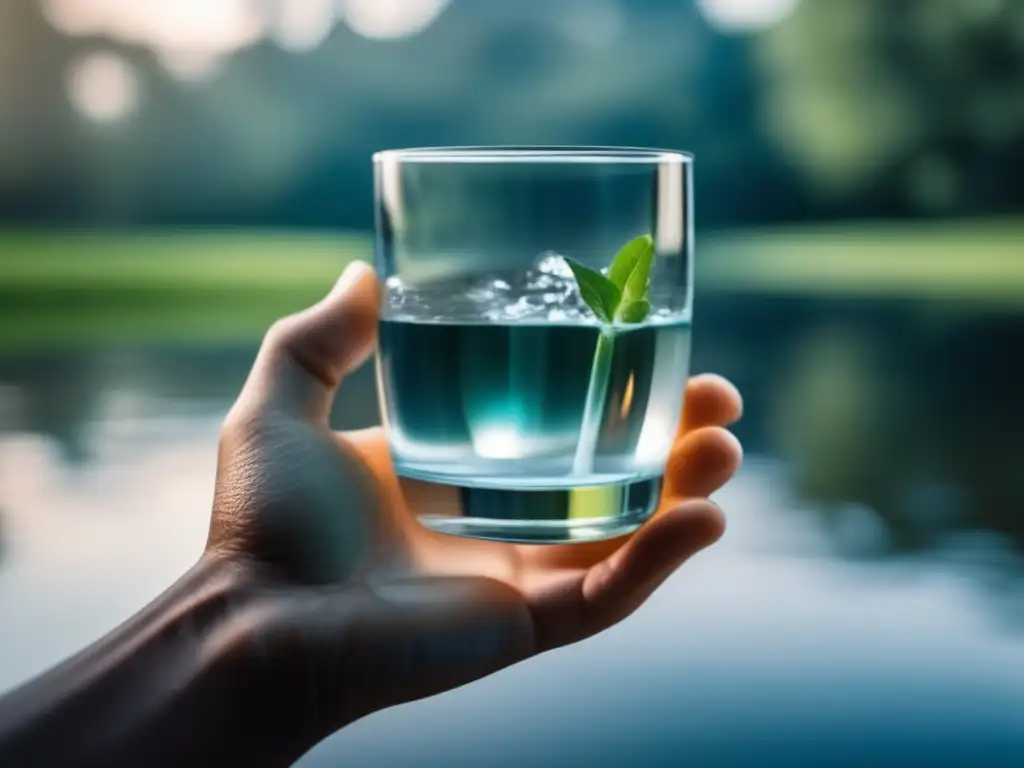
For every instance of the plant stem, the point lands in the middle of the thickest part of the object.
(593, 411)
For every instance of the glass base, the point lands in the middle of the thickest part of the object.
(560, 516)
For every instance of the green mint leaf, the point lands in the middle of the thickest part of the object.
(634, 312)
(600, 293)
(639, 281)
(632, 263)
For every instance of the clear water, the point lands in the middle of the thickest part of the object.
(504, 405)
(508, 385)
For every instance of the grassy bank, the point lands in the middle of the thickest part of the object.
(72, 288)
(127, 266)
(977, 260)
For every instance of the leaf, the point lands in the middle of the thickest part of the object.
(632, 262)
(635, 312)
(600, 293)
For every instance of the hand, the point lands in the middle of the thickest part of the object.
(354, 606)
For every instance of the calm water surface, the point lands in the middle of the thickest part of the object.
(866, 606)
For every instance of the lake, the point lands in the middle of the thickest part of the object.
(865, 607)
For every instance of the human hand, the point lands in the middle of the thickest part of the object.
(353, 606)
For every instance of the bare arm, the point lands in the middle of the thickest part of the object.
(172, 686)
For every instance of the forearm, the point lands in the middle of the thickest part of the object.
(169, 687)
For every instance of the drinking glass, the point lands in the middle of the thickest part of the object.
(497, 376)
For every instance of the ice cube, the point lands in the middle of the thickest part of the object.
(488, 292)
(395, 293)
(551, 263)
(480, 294)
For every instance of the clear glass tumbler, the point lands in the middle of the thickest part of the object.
(535, 332)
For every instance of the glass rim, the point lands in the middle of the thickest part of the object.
(533, 154)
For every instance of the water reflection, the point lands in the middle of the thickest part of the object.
(900, 424)
(876, 542)
(58, 395)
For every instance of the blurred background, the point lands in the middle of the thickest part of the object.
(175, 175)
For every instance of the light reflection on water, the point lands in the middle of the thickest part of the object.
(864, 606)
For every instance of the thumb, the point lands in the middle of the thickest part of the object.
(304, 356)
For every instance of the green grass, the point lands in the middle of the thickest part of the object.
(72, 289)
(174, 263)
(968, 261)
(76, 288)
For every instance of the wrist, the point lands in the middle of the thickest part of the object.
(284, 695)
(254, 694)
(195, 695)
(288, 696)
(190, 703)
